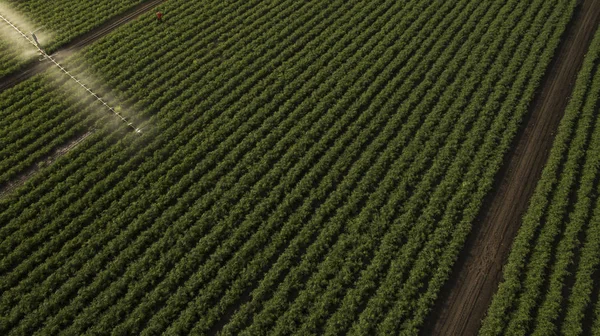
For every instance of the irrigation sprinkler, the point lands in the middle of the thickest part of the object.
(36, 44)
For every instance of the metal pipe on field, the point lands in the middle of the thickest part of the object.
(35, 43)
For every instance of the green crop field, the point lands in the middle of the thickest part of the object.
(304, 167)
(549, 279)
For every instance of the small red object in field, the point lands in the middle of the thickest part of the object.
(159, 16)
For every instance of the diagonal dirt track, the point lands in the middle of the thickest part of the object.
(478, 271)
(47, 160)
(79, 42)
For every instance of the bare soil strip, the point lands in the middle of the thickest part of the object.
(478, 271)
(36, 67)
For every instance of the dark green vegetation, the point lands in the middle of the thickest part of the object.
(552, 271)
(305, 167)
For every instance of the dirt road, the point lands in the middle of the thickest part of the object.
(79, 42)
(475, 278)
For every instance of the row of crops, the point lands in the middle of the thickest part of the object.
(305, 167)
(58, 21)
(551, 280)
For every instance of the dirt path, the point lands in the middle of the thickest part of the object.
(476, 275)
(79, 42)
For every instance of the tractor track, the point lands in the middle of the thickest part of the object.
(36, 67)
(19, 180)
(463, 302)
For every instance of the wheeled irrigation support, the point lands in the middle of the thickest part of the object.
(35, 43)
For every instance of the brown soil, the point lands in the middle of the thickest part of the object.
(79, 42)
(464, 301)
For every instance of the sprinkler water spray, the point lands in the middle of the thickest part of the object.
(34, 41)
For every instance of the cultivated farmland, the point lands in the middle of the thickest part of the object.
(307, 167)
